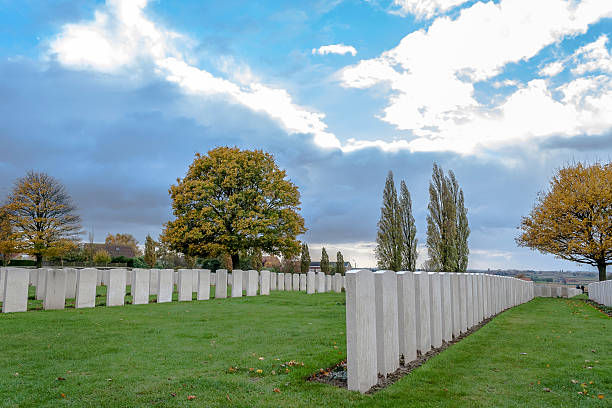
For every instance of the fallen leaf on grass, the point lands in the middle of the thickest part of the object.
(593, 351)
(546, 389)
(172, 394)
(259, 371)
(227, 397)
(60, 379)
(574, 381)
(191, 397)
(261, 358)
(600, 396)
(276, 390)
(63, 395)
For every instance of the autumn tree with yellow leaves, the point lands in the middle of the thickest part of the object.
(232, 201)
(573, 219)
(42, 216)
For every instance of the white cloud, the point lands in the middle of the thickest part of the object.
(432, 73)
(121, 36)
(552, 69)
(594, 57)
(339, 49)
(425, 8)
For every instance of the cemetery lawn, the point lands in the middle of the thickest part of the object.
(161, 354)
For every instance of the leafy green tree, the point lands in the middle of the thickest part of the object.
(408, 228)
(324, 262)
(389, 237)
(232, 200)
(573, 219)
(305, 259)
(42, 216)
(447, 224)
(150, 257)
(101, 257)
(340, 268)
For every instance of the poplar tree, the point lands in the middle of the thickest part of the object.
(149, 256)
(305, 258)
(447, 224)
(389, 238)
(340, 263)
(408, 228)
(324, 261)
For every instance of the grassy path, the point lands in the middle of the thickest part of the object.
(159, 355)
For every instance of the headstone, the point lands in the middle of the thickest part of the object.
(154, 281)
(141, 279)
(328, 283)
(15, 294)
(202, 284)
(71, 281)
(463, 301)
(55, 290)
(87, 280)
(164, 285)
(406, 311)
(302, 281)
(337, 283)
(264, 289)
(387, 341)
(280, 280)
(2, 284)
(361, 359)
(481, 302)
(98, 277)
(422, 314)
(435, 309)
(469, 299)
(115, 292)
(456, 301)
(41, 284)
(320, 282)
(33, 278)
(288, 281)
(185, 285)
(447, 307)
(296, 282)
(252, 282)
(244, 280)
(221, 284)
(310, 282)
(237, 283)
(273, 281)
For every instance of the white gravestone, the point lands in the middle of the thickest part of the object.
(310, 282)
(328, 283)
(203, 284)
(236, 283)
(221, 284)
(387, 341)
(288, 281)
(280, 277)
(296, 282)
(41, 284)
(337, 283)
(115, 291)
(141, 279)
(55, 290)
(15, 297)
(406, 316)
(185, 285)
(361, 362)
(320, 282)
(264, 288)
(252, 282)
(435, 309)
(422, 315)
(154, 281)
(273, 278)
(87, 280)
(165, 287)
(447, 307)
(71, 280)
(454, 279)
(303, 282)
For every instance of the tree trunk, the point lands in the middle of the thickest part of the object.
(601, 266)
(39, 260)
(235, 261)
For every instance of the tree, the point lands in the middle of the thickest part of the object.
(408, 229)
(389, 237)
(447, 224)
(340, 268)
(149, 256)
(232, 200)
(101, 256)
(324, 262)
(42, 215)
(256, 259)
(290, 265)
(9, 245)
(305, 258)
(573, 219)
(124, 240)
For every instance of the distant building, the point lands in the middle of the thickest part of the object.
(316, 266)
(114, 250)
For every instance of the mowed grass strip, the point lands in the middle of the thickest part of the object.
(161, 354)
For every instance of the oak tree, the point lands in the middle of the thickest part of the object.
(232, 200)
(573, 219)
(42, 215)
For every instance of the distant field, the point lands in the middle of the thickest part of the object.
(160, 354)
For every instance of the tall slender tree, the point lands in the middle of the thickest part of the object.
(340, 268)
(149, 256)
(447, 224)
(408, 228)
(305, 258)
(324, 262)
(389, 238)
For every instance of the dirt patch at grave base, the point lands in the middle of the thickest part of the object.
(337, 376)
(605, 309)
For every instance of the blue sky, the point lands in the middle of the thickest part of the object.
(115, 97)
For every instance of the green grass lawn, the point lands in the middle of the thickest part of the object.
(159, 354)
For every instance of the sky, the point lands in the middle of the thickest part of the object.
(114, 98)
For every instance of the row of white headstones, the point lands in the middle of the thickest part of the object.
(394, 314)
(601, 292)
(555, 291)
(55, 286)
